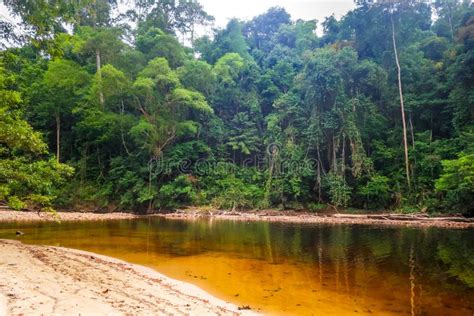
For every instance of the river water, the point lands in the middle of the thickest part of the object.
(286, 268)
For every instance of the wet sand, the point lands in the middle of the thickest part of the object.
(47, 280)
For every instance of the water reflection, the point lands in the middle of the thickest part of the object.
(299, 269)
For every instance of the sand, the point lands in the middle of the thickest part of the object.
(392, 220)
(45, 280)
(10, 215)
(416, 220)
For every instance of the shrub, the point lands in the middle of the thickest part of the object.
(233, 193)
(339, 191)
(178, 192)
(456, 183)
(377, 191)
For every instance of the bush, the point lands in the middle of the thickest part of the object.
(339, 191)
(314, 207)
(233, 193)
(77, 193)
(376, 191)
(15, 203)
(456, 184)
(178, 192)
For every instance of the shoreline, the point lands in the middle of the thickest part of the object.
(26, 216)
(56, 280)
(381, 219)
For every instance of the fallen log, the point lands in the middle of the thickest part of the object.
(403, 217)
(348, 216)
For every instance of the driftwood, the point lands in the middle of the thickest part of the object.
(401, 217)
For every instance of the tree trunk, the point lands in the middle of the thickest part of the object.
(58, 136)
(402, 106)
(320, 170)
(343, 157)
(97, 52)
(99, 75)
(450, 19)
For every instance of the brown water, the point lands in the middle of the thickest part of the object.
(290, 268)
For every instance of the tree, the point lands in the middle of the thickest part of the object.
(40, 20)
(190, 14)
(412, 12)
(198, 76)
(102, 43)
(260, 30)
(402, 106)
(68, 83)
(27, 179)
(156, 43)
(171, 15)
(167, 112)
(228, 40)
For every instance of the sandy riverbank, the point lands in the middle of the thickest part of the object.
(9, 215)
(418, 220)
(44, 280)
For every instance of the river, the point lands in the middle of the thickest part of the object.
(282, 268)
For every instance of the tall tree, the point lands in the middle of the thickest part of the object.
(402, 105)
(67, 83)
(97, 14)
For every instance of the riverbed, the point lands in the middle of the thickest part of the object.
(288, 268)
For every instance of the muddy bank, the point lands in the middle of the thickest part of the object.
(48, 280)
(419, 220)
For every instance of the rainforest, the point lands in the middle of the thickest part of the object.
(138, 109)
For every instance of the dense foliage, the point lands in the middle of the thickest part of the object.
(27, 178)
(262, 113)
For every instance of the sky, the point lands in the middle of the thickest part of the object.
(224, 10)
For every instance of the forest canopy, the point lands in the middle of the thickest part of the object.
(132, 110)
